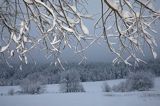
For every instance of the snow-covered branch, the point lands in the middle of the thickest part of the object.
(60, 23)
(56, 22)
(131, 27)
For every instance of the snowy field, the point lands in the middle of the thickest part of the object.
(92, 97)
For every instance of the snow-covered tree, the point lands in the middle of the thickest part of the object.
(53, 25)
(70, 82)
(31, 87)
(140, 81)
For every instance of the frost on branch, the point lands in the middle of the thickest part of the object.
(58, 24)
(131, 26)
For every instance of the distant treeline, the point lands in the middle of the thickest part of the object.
(49, 74)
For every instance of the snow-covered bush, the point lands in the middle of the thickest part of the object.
(70, 82)
(106, 87)
(31, 87)
(11, 92)
(121, 87)
(140, 81)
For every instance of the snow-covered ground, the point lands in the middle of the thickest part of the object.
(92, 97)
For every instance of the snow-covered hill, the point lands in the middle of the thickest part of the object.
(92, 97)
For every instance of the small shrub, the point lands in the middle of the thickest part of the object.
(106, 87)
(121, 87)
(140, 81)
(31, 87)
(11, 92)
(70, 82)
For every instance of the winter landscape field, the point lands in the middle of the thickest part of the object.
(94, 96)
(79, 53)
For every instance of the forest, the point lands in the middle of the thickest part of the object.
(50, 74)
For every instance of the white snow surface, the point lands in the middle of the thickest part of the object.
(94, 96)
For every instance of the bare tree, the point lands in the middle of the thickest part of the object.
(60, 24)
